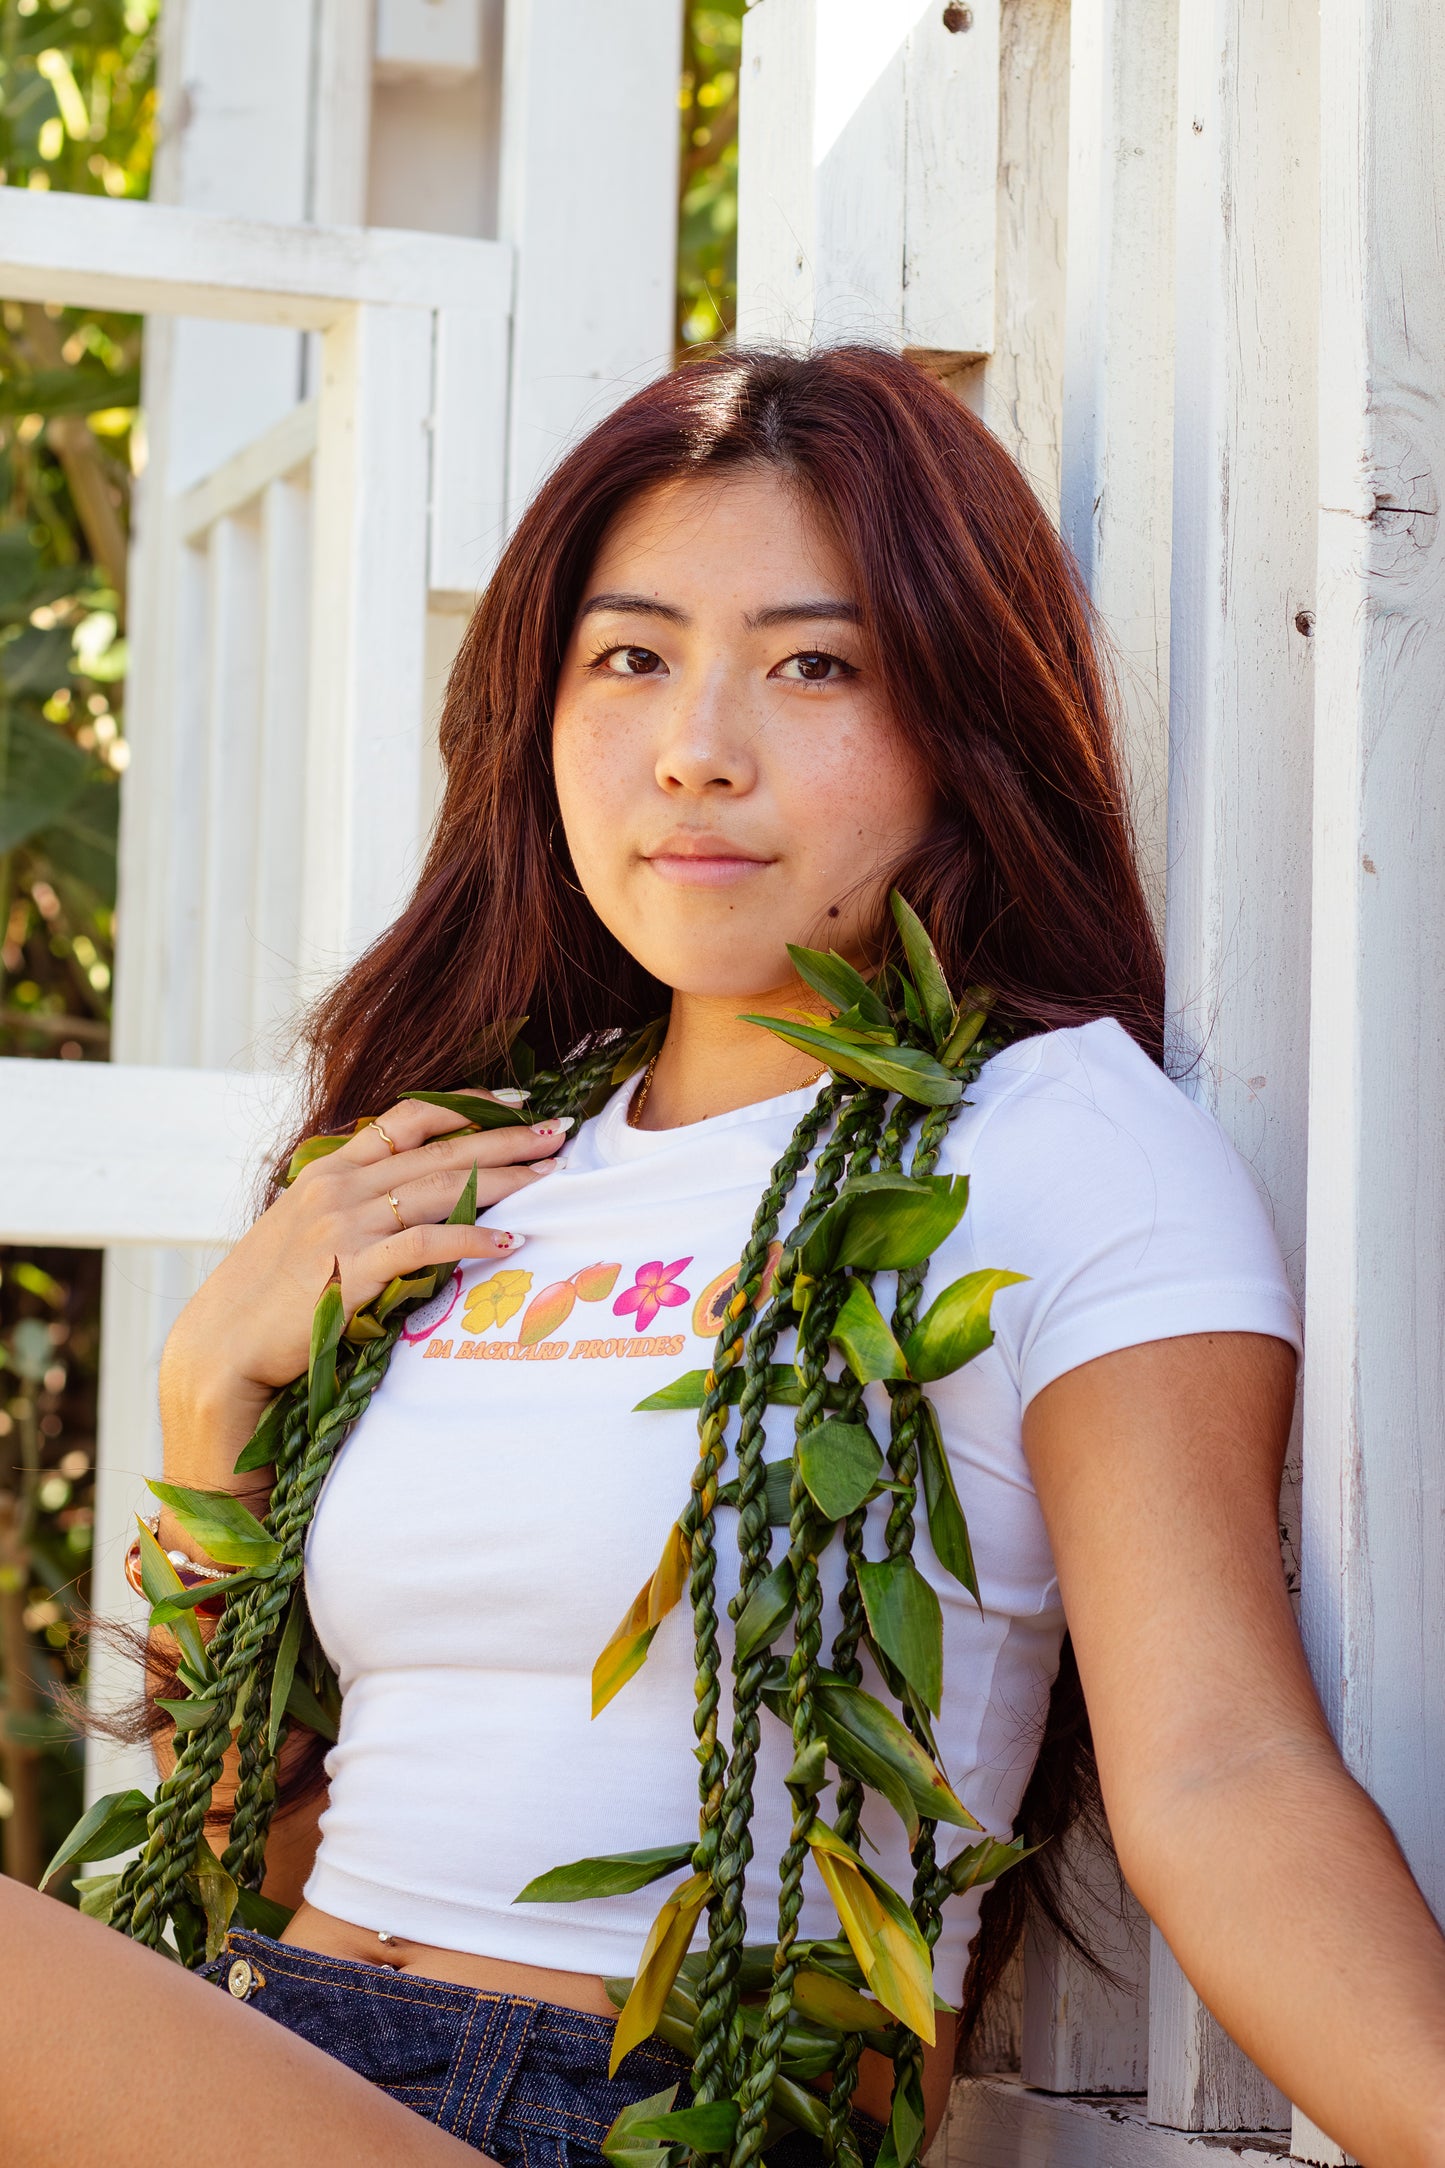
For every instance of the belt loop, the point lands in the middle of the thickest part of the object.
(488, 2054)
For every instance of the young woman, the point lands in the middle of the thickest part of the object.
(781, 636)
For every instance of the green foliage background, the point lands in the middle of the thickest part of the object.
(77, 112)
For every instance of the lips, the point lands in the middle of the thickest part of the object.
(688, 860)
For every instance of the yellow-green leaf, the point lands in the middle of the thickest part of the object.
(328, 1321)
(215, 1893)
(160, 1581)
(108, 1826)
(903, 1069)
(973, 1015)
(883, 1933)
(925, 969)
(664, 1950)
(956, 1327)
(627, 1650)
(906, 1620)
(870, 1348)
(224, 1528)
(609, 1875)
(829, 2001)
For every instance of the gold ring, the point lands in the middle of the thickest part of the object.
(383, 1136)
(396, 1208)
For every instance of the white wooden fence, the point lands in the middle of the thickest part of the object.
(1105, 224)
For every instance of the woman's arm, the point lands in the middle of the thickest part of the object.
(1272, 1875)
(112, 2054)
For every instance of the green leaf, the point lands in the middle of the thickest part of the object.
(42, 771)
(870, 1348)
(285, 1671)
(215, 1893)
(867, 1741)
(80, 387)
(97, 1893)
(81, 842)
(191, 1715)
(225, 1529)
(328, 1321)
(108, 1826)
(777, 1491)
(903, 1069)
(882, 1931)
(620, 2147)
(947, 1528)
(904, 2138)
(264, 1443)
(974, 1008)
(767, 1610)
(171, 1609)
(927, 971)
(839, 1463)
(262, 1914)
(985, 1863)
(161, 1584)
(690, 1390)
(303, 1705)
(39, 662)
(708, 2129)
(476, 1112)
(956, 1327)
(839, 984)
(809, 1772)
(906, 1621)
(885, 1222)
(612, 1874)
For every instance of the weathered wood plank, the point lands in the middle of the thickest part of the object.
(232, 723)
(93, 1153)
(469, 450)
(1000, 2123)
(1082, 2033)
(94, 252)
(286, 445)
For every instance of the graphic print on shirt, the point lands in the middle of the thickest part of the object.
(710, 1309)
(656, 1287)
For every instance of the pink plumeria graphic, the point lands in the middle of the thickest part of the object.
(656, 1287)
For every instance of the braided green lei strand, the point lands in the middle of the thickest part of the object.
(761, 2024)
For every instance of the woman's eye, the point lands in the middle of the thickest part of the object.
(632, 661)
(814, 667)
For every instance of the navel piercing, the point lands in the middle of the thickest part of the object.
(383, 1936)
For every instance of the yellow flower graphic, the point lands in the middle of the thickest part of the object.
(493, 1301)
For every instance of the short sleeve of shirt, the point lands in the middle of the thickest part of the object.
(1123, 1201)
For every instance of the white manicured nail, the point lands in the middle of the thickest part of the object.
(555, 1128)
(508, 1242)
(509, 1096)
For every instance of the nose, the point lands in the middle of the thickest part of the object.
(708, 736)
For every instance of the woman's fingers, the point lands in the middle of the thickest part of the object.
(414, 1248)
(432, 1196)
(408, 1124)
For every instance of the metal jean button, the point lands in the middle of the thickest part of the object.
(240, 1979)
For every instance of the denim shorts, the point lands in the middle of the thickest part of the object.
(523, 2081)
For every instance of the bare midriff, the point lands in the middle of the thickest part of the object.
(322, 1931)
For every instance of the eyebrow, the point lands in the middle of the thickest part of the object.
(823, 610)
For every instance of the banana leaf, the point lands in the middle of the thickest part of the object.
(906, 1620)
(882, 1931)
(927, 972)
(610, 1875)
(869, 1346)
(662, 1953)
(956, 1327)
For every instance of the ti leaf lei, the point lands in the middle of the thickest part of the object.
(761, 2024)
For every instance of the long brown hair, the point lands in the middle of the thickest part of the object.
(973, 616)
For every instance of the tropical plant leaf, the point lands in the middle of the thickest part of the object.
(261, 1447)
(42, 771)
(81, 842)
(708, 2129)
(108, 1826)
(809, 1772)
(621, 2148)
(903, 1069)
(903, 2139)
(985, 1862)
(690, 1390)
(866, 1738)
(304, 1706)
(262, 1914)
(883, 1933)
(626, 1652)
(777, 1491)
(956, 1327)
(81, 387)
(926, 970)
(662, 1953)
(172, 1608)
(475, 1111)
(869, 1347)
(215, 1893)
(190, 1715)
(612, 1874)
(906, 1620)
(840, 1463)
(96, 1894)
(973, 1015)
(328, 1321)
(320, 1147)
(839, 984)
(947, 1528)
(287, 1652)
(160, 1582)
(827, 2001)
(369, 1322)
(885, 1222)
(224, 1528)
(767, 1610)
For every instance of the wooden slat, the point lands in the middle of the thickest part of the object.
(88, 251)
(1198, 2079)
(232, 725)
(1083, 2033)
(469, 450)
(288, 444)
(368, 616)
(93, 1153)
(999, 2123)
(1118, 410)
(276, 871)
(1373, 1549)
(596, 261)
(951, 90)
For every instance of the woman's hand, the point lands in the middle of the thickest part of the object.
(247, 1330)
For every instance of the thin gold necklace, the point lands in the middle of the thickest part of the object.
(639, 1098)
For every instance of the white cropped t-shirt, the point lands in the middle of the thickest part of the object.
(496, 1509)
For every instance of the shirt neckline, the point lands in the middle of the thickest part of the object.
(614, 1140)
